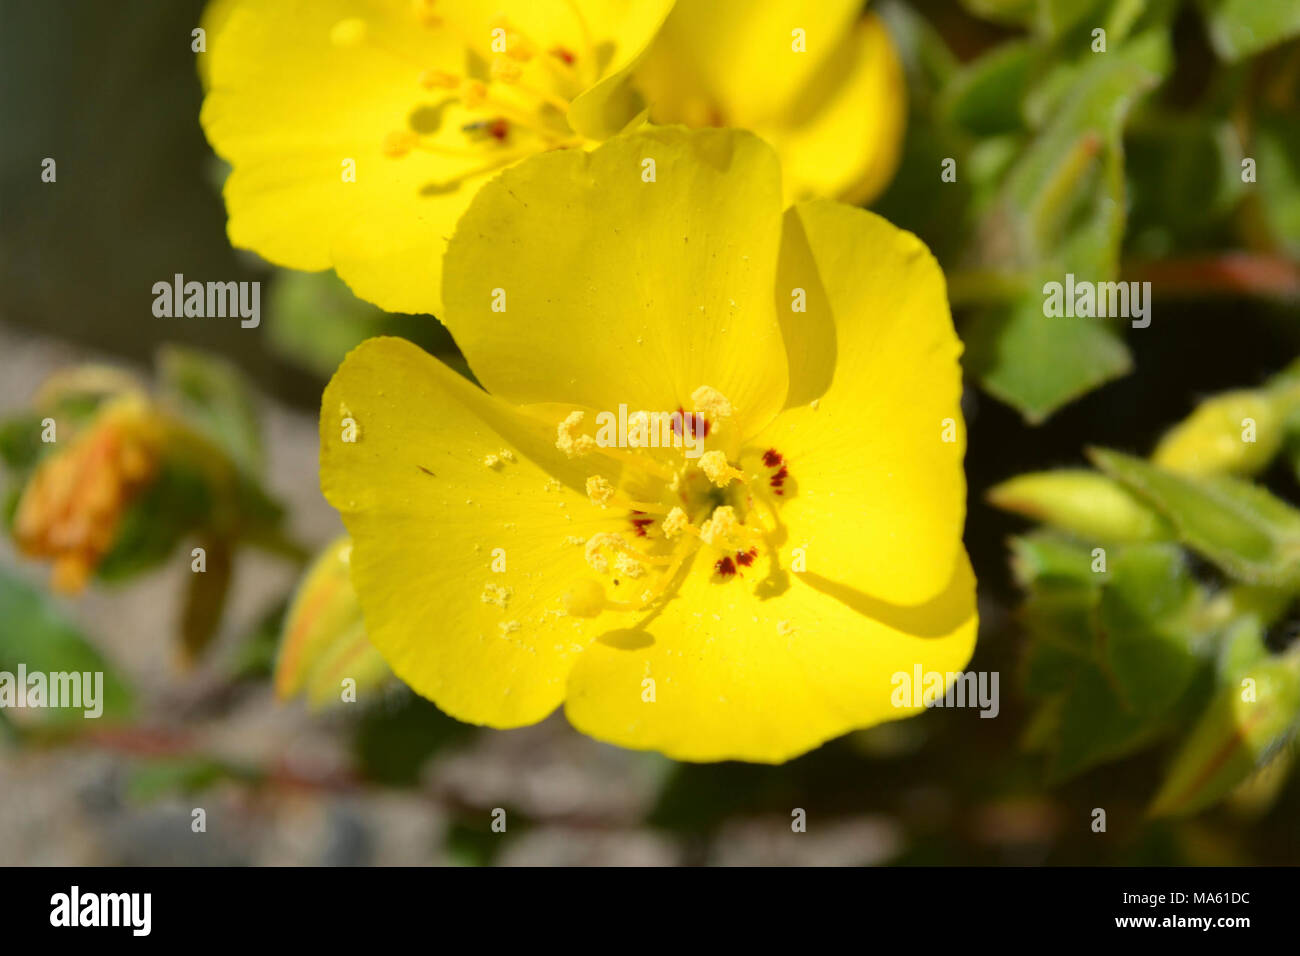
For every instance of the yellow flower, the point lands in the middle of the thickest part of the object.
(71, 506)
(751, 611)
(817, 81)
(358, 132)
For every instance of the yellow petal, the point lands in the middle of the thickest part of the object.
(843, 136)
(466, 525)
(293, 108)
(876, 497)
(654, 288)
(734, 62)
(342, 158)
(722, 674)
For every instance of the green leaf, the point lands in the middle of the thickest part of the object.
(1146, 616)
(1243, 728)
(1049, 557)
(212, 395)
(34, 633)
(1037, 363)
(20, 441)
(314, 320)
(1061, 625)
(985, 96)
(1245, 530)
(179, 501)
(1016, 12)
(1061, 210)
(394, 739)
(1097, 726)
(205, 597)
(1242, 648)
(1055, 17)
(1241, 28)
(1169, 159)
(1277, 172)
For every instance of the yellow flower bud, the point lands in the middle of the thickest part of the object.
(324, 640)
(1236, 433)
(1083, 502)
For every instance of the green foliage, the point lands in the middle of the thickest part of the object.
(213, 396)
(315, 320)
(35, 634)
(395, 737)
(1126, 645)
(1241, 28)
(1076, 153)
(1248, 532)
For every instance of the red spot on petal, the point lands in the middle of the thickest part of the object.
(688, 424)
(499, 129)
(746, 558)
(724, 567)
(772, 458)
(560, 53)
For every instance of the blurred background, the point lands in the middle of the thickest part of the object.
(111, 92)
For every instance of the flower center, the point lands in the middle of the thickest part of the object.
(511, 100)
(681, 484)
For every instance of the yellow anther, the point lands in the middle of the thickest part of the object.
(399, 142)
(599, 490)
(675, 523)
(348, 33)
(628, 566)
(595, 553)
(506, 70)
(711, 403)
(720, 527)
(714, 464)
(439, 80)
(570, 440)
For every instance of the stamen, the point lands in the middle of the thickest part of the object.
(569, 440)
(715, 466)
(712, 403)
(599, 490)
(676, 523)
(720, 526)
(627, 565)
